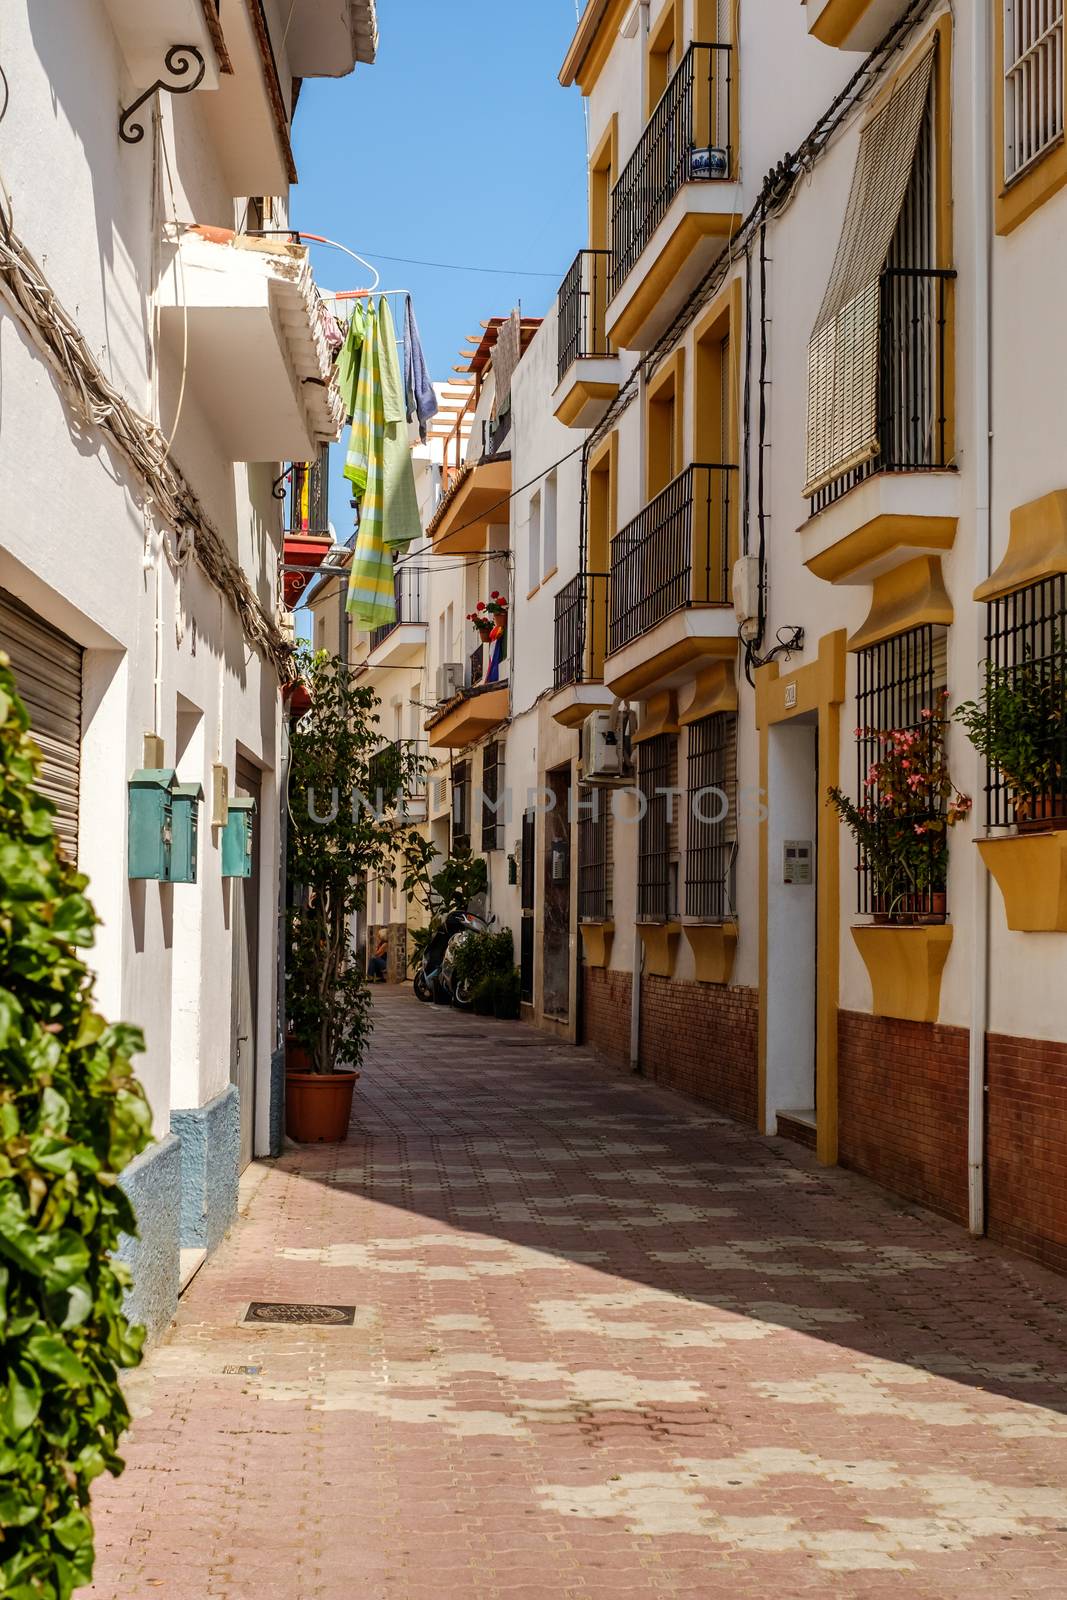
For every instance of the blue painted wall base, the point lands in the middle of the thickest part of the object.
(277, 1102)
(210, 1138)
(153, 1183)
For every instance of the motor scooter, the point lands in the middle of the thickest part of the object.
(434, 978)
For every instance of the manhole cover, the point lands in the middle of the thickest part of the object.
(273, 1311)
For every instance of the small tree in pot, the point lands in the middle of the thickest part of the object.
(341, 828)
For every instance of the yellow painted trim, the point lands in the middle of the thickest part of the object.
(1030, 870)
(905, 967)
(656, 279)
(713, 690)
(597, 939)
(838, 21)
(660, 715)
(582, 394)
(466, 518)
(665, 31)
(907, 597)
(878, 539)
(820, 687)
(1019, 199)
(670, 376)
(714, 945)
(592, 44)
(603, 171)
(551, 573)
(531, 592)
(657, 664)
(1037, 547)
(660, 940)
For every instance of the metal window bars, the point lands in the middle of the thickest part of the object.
(392, 776)
(686, 139)
(676, 553)
(492, 776)
(1033, 82)
(711, 817)
(581, 626)
(461, 808)
(583, 303)
(594, 855)
(309, 498)
(656, 769)
(410, 592)
(897, 681)
(1026, 649)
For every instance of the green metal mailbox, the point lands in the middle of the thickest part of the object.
(151, 823)
(185, 806)
(237, 838)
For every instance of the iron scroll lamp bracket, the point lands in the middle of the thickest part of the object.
(179, 61)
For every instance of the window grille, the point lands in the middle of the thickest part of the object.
(461, 808)
(529, 836)
(1026, 635)
(595, 851)
(526, 959)
(711, 817)
(897, 680)
(492, 784)
(657, 831)
(1033, 81)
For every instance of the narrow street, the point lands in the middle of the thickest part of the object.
(604, 1343)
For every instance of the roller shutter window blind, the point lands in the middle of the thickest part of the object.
(843, 354)
(48, 672)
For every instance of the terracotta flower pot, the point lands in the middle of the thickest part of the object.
(1039, 814)
(318, 1106)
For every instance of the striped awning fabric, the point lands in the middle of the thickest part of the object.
(843, 354)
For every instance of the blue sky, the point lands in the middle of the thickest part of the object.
(458, 145)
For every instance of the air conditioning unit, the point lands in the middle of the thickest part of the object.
(607, 753)
(449, 680)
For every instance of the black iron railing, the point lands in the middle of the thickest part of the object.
(1026, 668)
(411, 587)
(677, 553)
(594, 855)
(711, 825)
(656, 773)
(309, 497)
(687, 140)
(398, 769)
(581, 629)
(583, 302)
(912, 379)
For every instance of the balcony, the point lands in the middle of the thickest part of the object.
(588, 366)
(581, 632)
(308, 538)
(676, 201)
(468, 716)
(245, 316)
(328, 40)
(248, 117)
(147, 29)
(476, 501)
(403, 642)
(849, 25)
(396, 780)
(670, 607)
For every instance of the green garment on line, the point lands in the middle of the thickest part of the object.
(348, 362)
(379, 467)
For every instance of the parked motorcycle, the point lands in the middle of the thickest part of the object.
(434, 980)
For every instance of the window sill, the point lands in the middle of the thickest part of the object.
(1030, 870)
(714, 945)
(905, 965)
(551, 573)
(660, 941)
(597, 938)
(1028, 191)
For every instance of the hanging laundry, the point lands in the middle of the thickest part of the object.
(379, 467)
(348, 362)
(421, 400)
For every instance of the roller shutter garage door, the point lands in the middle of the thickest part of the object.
(48, 671)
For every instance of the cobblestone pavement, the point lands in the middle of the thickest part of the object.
(605, 1345)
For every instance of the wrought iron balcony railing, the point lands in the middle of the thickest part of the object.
(687, 139)
(677, 553)
(410, 590)
(398, 769)
(583, 303)
(581, 629)
(912, 379)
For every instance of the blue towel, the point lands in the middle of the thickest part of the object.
(421, 400)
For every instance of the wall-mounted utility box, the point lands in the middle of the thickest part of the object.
(237, 838)
(185, 810)
(151, 823)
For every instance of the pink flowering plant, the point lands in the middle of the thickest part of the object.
(908, 804)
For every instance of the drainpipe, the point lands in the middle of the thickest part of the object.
(982, 254)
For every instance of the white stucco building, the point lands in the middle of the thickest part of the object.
(141, 550)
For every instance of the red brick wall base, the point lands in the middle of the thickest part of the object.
(606, 1013)
(902, 1108)
(1026, 1145)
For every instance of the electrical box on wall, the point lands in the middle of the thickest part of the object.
(237, 838)
(560, 859)
(796, 861)
(185, 831)
(151, 823)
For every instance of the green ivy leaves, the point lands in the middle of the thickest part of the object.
(72, 1115)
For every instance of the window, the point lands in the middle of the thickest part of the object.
(492, 795)
(898, 688)
(594, 855)
(534, 538)
(657, 831)
(548, 527)
(711, 817)
(1027, 651)
(461, 808)
(664, 452)
(1033, 81)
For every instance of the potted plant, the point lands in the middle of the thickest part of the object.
(1018, 725)
(484, 965)
(490, 619)
(901, 824)
(337, 835)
